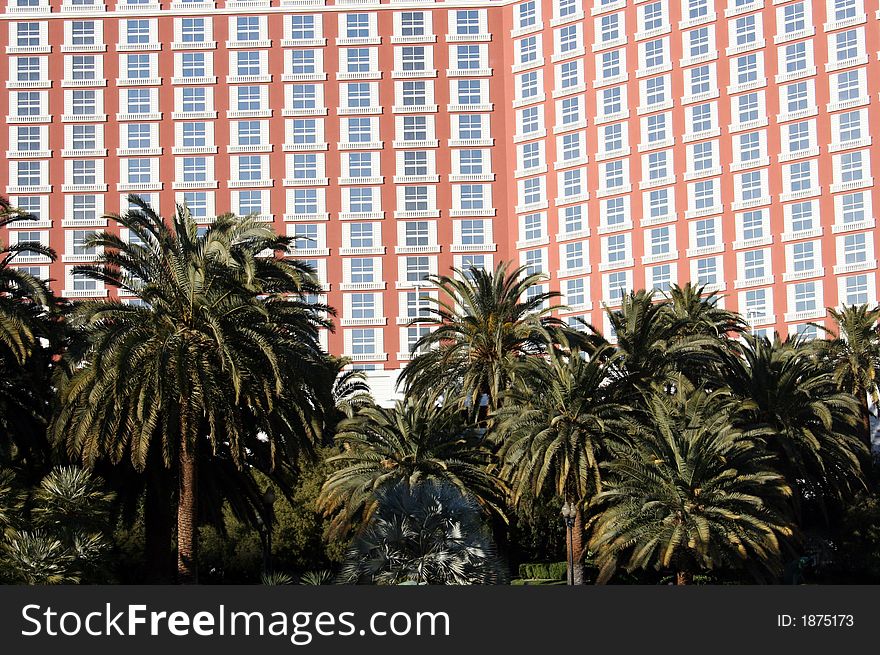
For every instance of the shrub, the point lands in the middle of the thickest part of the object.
(543, 571)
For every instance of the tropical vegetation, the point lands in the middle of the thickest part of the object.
(191, 427)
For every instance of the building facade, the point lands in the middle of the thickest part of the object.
(612, 145)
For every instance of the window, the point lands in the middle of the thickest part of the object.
(701, 79)
(534, 262)
(845, 9)
(473, 196)
(569, 74)
(746, 69)
(528, 49)
(415, 198)
(302, 27)
(805, 297)
(357, 26)
(249, 98)
(753, 225)
(748, 107)
(527, 14)
(195, 169)
(573, 256)
(139, 135)
(79, 243)
(137, 31)
(412, 23)
(656, 128)
(83, 67)
(655, 90)
(28, 35)
(138, 66)
(698, 42)
(29, 138)
(856, 290)
(305, 96)
(802, 216)
(569, 38)
(467, 57)
(848, 85)
(27, 69)
(363, 305)
(305, 201)
(849, 126)
(82, 33)
(658, 165)
(847, 45)
(852, 208)
(661, 277)
(251, 202)
(84, 172)
(304, 62)
(750, 147)
(415, 128)
(533, 227)
(570, 110)
(571, 146)
(800, 176)
(798, 136)
(575, 292)
(530, 120)
(194, 99)
(470, 161)
(528, 85)
(413, 58)
(756, 305)
(609, 28)
(530, 155)
(468, 92)
(361, 235)
(794, 18)
(795, 57)
(746, 30)
(360, 200)
(751, 185)
(797, 97)
(616, 247)
(659, 204)
(414, 94)
(473, 232)
(197, 203)
(655, 53)
(247, 63)
(247, 28)
(417, 268)
(362, 270)
(652, 16)
(703, 156)
(467, 22)
(706, 233)
(707, 271)
(363, 342)
(855, 248)
(139, 101)
(85, 208)
(572, 219)
(850, 167)
(618, 285)
(660, 241)
(193, 30)
(754, 265)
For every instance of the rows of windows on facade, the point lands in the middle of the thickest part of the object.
(704, 106)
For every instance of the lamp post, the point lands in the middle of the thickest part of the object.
(568, 513)
(268, 518)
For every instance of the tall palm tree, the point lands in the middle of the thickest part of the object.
(691, 493)
(814, 426)
(219, 356)
(854, 353)
(702, 314)
(491, 325)
(417, 439)
(657, 349)
(552, 432)
(30, 336)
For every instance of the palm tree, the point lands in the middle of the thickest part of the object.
(425, 532)
(814, 426)
(691, 493)
(702, 314)
(658, 350)
(24, 299)
(557, 437)
(854, 353)
(217, 359)
(491, 325)
(30, 336)
(417, 439)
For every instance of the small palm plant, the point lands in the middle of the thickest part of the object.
(423, 533)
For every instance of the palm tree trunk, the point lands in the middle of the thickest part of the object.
(158, 524)
(862, 397)
(683, 578)
(187, 508)
(577, 546)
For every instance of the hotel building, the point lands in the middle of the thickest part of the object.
(611, 144)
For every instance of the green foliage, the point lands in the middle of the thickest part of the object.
(317, 578)
(418, 439)
(57, 532)
(690, 493)
(275, 578)
(425, 533)
(490, 329)
(543, 571)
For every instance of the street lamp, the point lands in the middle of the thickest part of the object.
(568, 513)
(268, 518)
